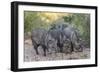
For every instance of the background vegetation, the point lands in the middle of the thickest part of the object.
(45, 20)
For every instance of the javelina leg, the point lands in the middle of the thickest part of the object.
(35, 46)
(36, 49)
(60, 47)
(71, 47)
(44, 49)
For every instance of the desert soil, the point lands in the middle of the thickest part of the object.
(30, 54)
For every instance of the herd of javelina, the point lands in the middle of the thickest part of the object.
(59, 42)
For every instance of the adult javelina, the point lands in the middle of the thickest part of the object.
(41, 37)
(72, 34)
(57, 35)
(57, 32)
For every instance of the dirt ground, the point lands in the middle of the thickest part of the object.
(30, 54)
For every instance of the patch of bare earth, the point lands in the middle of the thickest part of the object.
(30, 54)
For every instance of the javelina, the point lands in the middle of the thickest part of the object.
(41, 37)
(71, 34)
(57, 34)
(66, 35)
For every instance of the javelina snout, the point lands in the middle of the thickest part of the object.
(78, 47)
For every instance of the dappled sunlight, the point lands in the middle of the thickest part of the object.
(51, 17)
